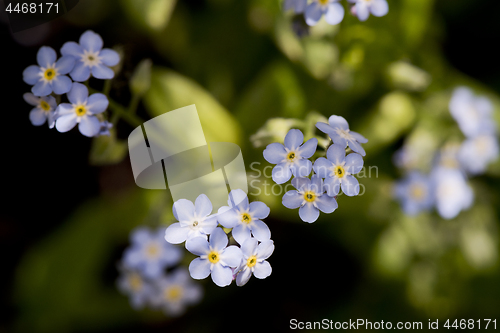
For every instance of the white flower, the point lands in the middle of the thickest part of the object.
(476, 153)
(452, 192)
(254, 260)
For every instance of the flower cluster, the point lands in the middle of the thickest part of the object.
(143, 274)
(49, 80)
(243, 219)
(331, 174)
(333, 11)
(446, 187)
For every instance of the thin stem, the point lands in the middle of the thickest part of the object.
(121, 112)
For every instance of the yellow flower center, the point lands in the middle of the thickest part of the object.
(309, 196)
(323, 2)
(45, 106)
(152, 251)
(135, 282)
(49, 74)
(417, 192)
(339, 171)
(213, 257)
(291, 156)
(80, 110)
(173, 293)
(251, 261)
(195, 223)
(246, 218)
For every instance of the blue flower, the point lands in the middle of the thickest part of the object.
(139, 290)
(149, 253)
(338, 130)
(105, 128)
(175, 291)
(291, 159)
(298, 5)
(215, 258)
(310, 197)
(476, 153)
(415, 193)
(90, 57)
(363, 8)
(49, 76)
(81, 111)
(244, 217)
(194, 220)
(337, 170)
(333, 11)
(254, 260)
(44, 109)
(451, 191)
(473, 114)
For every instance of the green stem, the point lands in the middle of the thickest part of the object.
(121, 112)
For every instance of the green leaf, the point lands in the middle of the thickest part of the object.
(107, 150)
(152, 15)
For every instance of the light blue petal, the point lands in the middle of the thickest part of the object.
(65, 64)
(292, 199)
(102, 72)
(300, 182)
(338, 122)
(249, 247)
(260, 230)
(243, 277)
(379, 8)
(231, 256)
(332, 186)
(308, 213)
(350, 186)
(265, 249)
(300, 6)
(197, 246)
(358, 137)
(262, 270)
(91, 41)
(293, 139)
(218, 239)
(51, 100)
(313, 13)
(326, 204)
(31, 99)
(281, 173)
(316, 185)
(222, 276)
(78, 94)
(176, 234)
(46, 56)
(65, 109)
(97, 103)
(275, 153)
(308, 148)
(199, 268)
(31, 74)
(229, 218)
(353, 163)
(238, 199)
(336, 154)
(71, 49)
(61, 84)
(89, 126)
(322, 167)
(37, 117)
(338, 140)
(109, 57)
(325, 128)
(301, 168)
(362, 11)
(209, 224)
(334, 14)
(184, 209)
(41, 88)
(66, 123)
(356, 147)
(259, 210)
(202, 206)
(80, 72)
(241, 233)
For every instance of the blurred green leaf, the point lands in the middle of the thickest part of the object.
(107, 149)
(149, 14)
(140, 82)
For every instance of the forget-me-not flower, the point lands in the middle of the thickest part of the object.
(215, 258)
(292, 158)
(244, 217)
(139, 290)
(194, 220)
(49, 76)
(254, 260)
(415, 193)
(472, 113)
(298, 6)
(44, 109)
(81, 110)
(338, 170)
(90, 57)
(451, 191)
(338, 130)
(310, 197)
(149, 253)
(363, 8)
(476, 153)
(175, 291)
(332, 9)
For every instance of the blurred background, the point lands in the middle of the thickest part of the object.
(70, 202)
